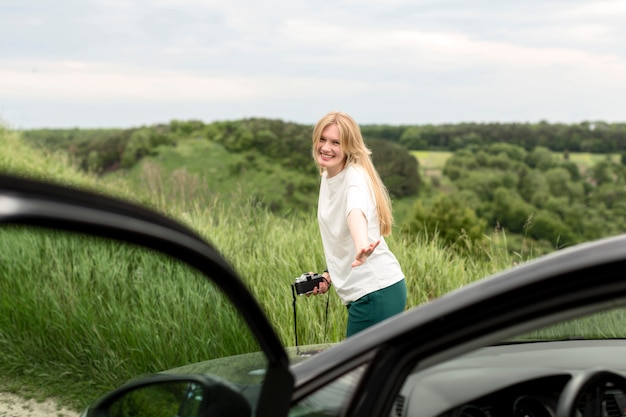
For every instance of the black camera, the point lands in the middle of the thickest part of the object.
(306, 283)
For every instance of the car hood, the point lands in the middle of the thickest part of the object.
(247, 368)
(247, 372)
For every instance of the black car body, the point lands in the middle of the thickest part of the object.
(544, 338)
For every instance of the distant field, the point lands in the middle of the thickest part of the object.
(432, 162)
(587, 159)
(431, 159)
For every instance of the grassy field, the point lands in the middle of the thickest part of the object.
(112, 312)
(52, 303)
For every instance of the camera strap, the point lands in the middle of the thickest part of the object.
(295, 317)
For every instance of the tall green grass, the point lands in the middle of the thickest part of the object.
(79, 309)
(64, 333)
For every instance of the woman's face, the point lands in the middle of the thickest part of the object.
(329, 153)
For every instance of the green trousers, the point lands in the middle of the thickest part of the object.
(376, 307)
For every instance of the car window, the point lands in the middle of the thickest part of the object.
(116, 311)
(603, 325)
(332, 399)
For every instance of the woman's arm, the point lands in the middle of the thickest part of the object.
(357, 223)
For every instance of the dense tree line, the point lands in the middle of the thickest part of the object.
(596, 137)
(110, 148)
(535, 194)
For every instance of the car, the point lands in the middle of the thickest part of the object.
(542, 339)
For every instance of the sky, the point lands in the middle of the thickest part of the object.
(130, 63)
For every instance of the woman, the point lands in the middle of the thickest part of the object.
(354, 215)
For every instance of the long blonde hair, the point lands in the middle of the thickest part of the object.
(357, 153)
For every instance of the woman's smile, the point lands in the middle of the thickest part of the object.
(331, 155)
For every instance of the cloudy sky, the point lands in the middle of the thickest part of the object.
(125, 63)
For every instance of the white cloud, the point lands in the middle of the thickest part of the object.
(534, 59)
(86, 81)
(438, 51)
(599, 9)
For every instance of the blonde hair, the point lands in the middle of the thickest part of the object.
(357, 153)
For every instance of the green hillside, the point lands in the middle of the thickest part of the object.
(196, 172)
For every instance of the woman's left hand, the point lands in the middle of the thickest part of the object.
(322, 287)
(364, 253)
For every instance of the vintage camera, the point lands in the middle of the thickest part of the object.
(305, 283)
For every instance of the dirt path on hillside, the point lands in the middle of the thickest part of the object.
(12, 405)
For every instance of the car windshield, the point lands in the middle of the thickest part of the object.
(602, 325)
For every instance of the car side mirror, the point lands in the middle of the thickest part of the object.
(172, 396)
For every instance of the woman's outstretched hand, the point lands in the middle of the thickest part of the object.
(364, 253)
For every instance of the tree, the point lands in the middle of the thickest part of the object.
(574, 172)
(541, 158)
(602, 173)
(448, 219)
(514, 152)
(472, 138)
(398, 169)
(412, 139)
(510, 211)
(609, 195)
(138, 146)
(546, 225)
(533, 183)
(558, 180)
(485, 181)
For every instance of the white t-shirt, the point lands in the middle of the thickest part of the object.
(338, 196)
